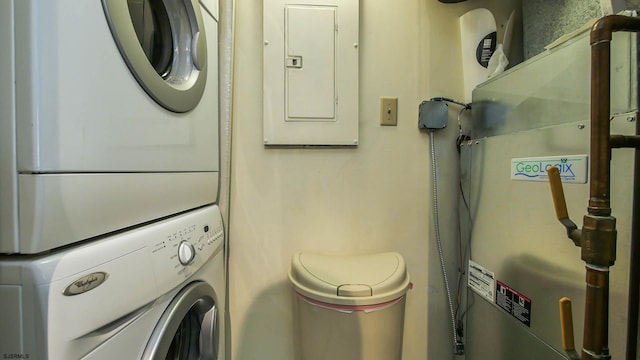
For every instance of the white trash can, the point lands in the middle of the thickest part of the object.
(349, 307)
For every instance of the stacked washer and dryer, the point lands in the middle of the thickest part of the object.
(110, 236)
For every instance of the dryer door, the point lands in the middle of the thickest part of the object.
(188, 329)
(163, 43)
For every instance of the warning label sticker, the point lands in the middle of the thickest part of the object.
(514, 303)
(481, 280)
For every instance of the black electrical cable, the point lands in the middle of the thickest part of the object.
(466, 106)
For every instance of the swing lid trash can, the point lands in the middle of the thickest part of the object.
(349, 280)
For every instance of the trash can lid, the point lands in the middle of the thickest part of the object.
(349, 280)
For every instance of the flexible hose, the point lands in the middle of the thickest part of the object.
(434, 172)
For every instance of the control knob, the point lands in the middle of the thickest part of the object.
(186, 253)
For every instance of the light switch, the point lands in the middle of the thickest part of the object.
(389, 111)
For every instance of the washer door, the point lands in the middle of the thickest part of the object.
(188, 329)
(163, 44)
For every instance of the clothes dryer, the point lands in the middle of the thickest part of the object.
(111, 102)
(156, 292)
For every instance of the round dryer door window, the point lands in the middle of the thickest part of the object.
(163, 43)
(188, 329)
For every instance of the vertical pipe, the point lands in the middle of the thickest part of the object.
(596, 321)
(601, 35)
(633, 309)
(599, 234)
(634, 264)
(599, 201)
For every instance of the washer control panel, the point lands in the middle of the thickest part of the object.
(185, 247)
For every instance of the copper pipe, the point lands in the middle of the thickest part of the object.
(596, 328)
(598, 233)
(624, 141)
(601, 35)
(599, 201)
(633, 311)
(606, 26)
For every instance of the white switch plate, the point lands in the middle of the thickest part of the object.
(389, 111)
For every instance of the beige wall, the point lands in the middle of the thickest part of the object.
(376, 197)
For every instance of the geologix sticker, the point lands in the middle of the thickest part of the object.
(573, 168)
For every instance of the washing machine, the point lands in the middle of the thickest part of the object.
(154, 292)
(111, 102)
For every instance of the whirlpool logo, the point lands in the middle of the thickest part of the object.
(573, 168)
(85, 283)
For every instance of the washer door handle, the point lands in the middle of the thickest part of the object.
(198, 50)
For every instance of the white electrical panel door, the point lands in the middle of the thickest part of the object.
(310, 73)
(310, 79)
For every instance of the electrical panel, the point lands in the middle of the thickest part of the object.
(310, 72)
